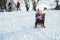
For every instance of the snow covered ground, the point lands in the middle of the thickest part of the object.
(20, 26)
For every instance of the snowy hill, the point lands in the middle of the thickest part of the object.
(20, 26)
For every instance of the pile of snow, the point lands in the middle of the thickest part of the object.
(44, 4)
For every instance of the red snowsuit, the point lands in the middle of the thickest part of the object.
(18, 4)
(40, 17)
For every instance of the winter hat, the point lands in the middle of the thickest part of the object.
(37, 10)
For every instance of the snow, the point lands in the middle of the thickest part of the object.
(19, 25)
(45, 3)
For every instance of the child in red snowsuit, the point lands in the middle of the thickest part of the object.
(40, 19)
(18, 5)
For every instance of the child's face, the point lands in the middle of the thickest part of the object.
(40, 12)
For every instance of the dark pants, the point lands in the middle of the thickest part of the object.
(34, 8)
(10, 9)
(18, 8)
(27, 8)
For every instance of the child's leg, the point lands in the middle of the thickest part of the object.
(34, 8)
(36, 23)
(43, 20)
(41, 23)
(27, 8)
(17, 8)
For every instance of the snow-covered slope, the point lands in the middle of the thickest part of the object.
(14, 20)
(20, 26)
